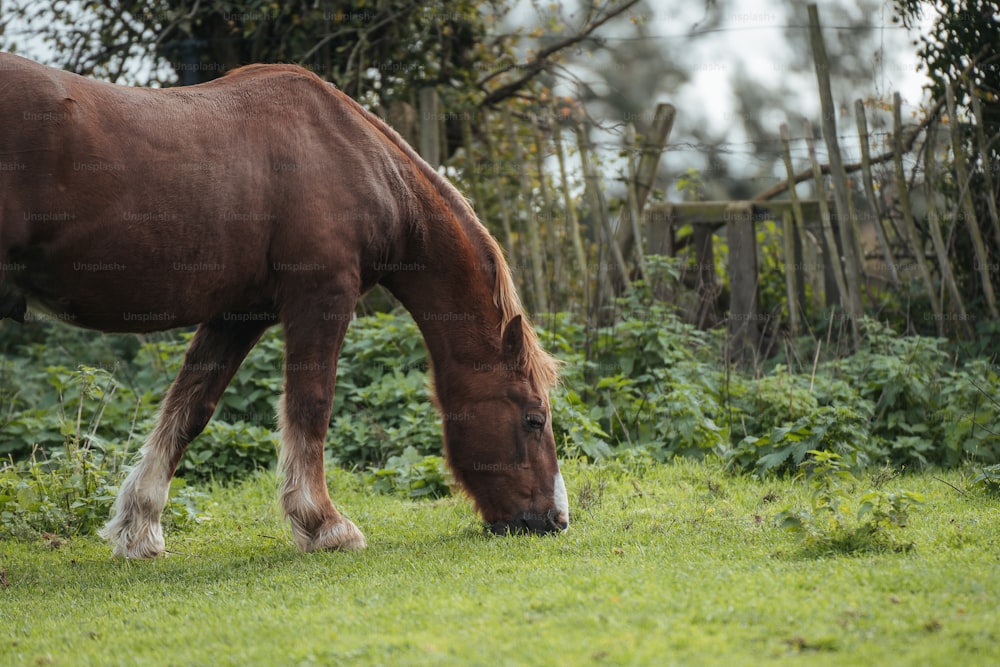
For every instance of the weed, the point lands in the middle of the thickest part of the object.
(70, 492)
(412, 475)
(989, 479)
(829, 524)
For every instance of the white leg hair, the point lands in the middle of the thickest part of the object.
(316, 524)
(296, 497)
(134, 528)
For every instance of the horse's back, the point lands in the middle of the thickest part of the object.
(154, 195)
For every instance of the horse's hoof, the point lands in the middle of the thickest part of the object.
(340, 536)
(132, 543)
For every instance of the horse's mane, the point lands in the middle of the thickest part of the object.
(542, 369)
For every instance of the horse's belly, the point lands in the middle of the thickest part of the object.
(130, 295)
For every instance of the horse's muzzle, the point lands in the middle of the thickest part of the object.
(531, 522)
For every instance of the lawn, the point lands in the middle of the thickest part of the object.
(675, 564)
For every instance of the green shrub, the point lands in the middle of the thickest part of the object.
(645, 383)
(70, 492)
(225, 452)
(828, 524)
(413, 475)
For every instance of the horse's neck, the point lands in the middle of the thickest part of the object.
(446, 287)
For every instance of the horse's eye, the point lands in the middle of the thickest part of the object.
(534, 420)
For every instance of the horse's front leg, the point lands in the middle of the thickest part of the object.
(212, 359)
(314, 334)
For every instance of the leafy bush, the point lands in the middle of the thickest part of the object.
(989, 478)
(412, 475)
(828, 429)
(646, 383)
(897, 400)
(828, 525)
(227, 451)
(70, 492)
(67, 483)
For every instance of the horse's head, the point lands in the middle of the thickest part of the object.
(500, 444)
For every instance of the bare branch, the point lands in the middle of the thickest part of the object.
(541, 62)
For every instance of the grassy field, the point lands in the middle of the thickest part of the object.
(677, 564)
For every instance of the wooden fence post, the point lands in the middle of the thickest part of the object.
(866, 177)
(984, 156)
(934, 227)
(968, 209)
(572, 224)
(657, 221)
(845, 223)
(551, 230)
(540, 285)
(633, 203)
(916, 244)
(505, 221)
(832, 248)
(934, 220)
(599, 209)
(798, 220)
(652, 147)
(707, 286)
(792, 273)
(430, 127)
(472, 173)
(741, 323)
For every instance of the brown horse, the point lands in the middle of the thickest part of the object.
(265, 197)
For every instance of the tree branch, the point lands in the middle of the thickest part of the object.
(540, 62)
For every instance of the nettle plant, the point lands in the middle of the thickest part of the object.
(68, 489)
(839, 518)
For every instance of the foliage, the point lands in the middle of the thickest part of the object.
(828, 523)
(645, 388)
(962, 33)
(830, 429)
(646, 383)
(989, 478)
(67, 481)
(412, 475)
(226, 451)
(70, 492)
(961, 50)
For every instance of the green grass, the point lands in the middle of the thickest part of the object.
(663, 564)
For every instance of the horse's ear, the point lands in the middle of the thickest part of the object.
(513, 343)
